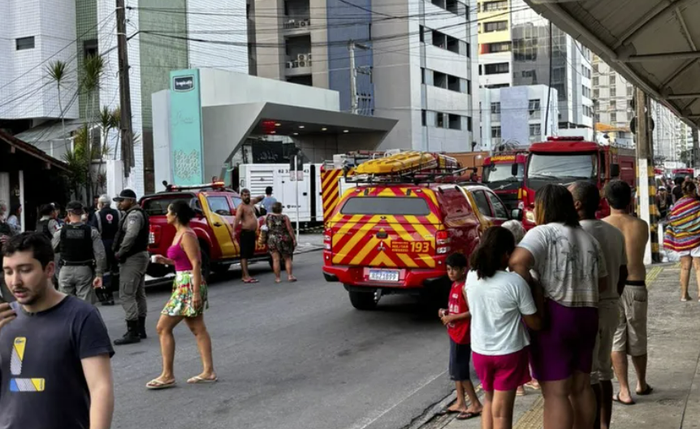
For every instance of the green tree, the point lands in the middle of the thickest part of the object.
(56, 71)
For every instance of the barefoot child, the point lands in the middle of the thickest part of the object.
(456, 318)
(499, 300)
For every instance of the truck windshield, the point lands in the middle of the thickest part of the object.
(562, 166)
(406, 206)
(158, 206)
(502, 173)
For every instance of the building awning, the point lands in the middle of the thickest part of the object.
(17, 144)
(653, 44)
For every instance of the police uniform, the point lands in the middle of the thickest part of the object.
(82, 258)
(130, 250)
(107, 222)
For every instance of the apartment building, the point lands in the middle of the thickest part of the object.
(518, 115)
(407, 60)
(161, 38)
(495, 43)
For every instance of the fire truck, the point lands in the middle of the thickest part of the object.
(504, 173)
(682, 172)
(565, 160)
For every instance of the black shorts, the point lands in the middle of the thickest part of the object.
(460, 357)
(247, 243)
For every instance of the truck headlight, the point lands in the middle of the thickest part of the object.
(530, 216)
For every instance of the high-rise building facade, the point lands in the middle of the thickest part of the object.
(495, 43)
(414, 60)
(163, 35)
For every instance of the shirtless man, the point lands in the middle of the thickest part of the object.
(245, 216)
(631, 336)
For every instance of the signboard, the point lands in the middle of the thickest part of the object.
(186, 128)
(503, 158)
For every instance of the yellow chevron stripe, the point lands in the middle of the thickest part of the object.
(387, 192)
(358, 236)
(420, 229)
(345, 228)
(382, 258)
(359, 256)
(407, 260)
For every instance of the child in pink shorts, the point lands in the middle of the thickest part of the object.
(498, 301)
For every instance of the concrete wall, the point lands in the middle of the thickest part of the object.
(161, 138)
(229, 26)
(270, 53)
(24, 88)
(220, 87)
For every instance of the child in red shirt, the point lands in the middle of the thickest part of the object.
(456, 319)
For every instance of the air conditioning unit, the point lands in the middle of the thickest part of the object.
(304, 23)
(290, 64)
(308, 63)
(308, 56)
(303, 64)
(301, 57)
(295, 64)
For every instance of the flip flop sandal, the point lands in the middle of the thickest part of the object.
(467, 415)
(156, 384)
(292, 280)
(616, 398)
(251, 280)
(201, 380)
(646, 391)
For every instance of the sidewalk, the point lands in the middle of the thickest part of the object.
(674, 354)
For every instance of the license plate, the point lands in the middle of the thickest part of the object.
(384, 275)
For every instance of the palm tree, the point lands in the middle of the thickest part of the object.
(93, 69)
(56, 71)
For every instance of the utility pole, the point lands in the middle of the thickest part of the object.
(355, 97)
(646, 180)
(127, 132)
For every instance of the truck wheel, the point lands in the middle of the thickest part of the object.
(206, 263)
(364, 300)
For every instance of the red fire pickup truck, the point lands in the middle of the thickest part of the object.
(215, 206)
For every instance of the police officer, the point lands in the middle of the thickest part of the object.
(130, 246)
(83, 257)
(106, 221)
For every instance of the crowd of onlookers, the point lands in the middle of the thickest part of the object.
(564, 304)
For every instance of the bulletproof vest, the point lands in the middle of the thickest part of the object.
(141, 243)
(76, 243)
(43, 227)
(108, 222)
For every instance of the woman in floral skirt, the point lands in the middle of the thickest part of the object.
(281, 241)
(187, 302)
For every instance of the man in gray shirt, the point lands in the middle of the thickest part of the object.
(83, 257)
(130, 250)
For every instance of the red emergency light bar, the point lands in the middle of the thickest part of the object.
(565, 139)
(213, 185)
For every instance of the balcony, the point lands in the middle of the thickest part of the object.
(298, 66)
(296, 26)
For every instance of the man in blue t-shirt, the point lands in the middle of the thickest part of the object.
(54, 349)
(269, 200)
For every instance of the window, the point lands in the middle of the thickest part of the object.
(497, 47)
(422, 34)
(496, 68)
(159, 206)
(613, 105)
(455, 122)
(630, 90)
(499, 210)
(90, 48)
(219, 205)
(469, 86)
(495, 5)
(440, 120)
(535, 130)
(613, 117)
(439, 80)
(613, 91)
(453, 83)
(611, 80)
(496, 107)
(482, 203)
(392, 206)
(481, 70)
(596, 94)
(596, 81)
(490, 27)
(495, 132)
(24, 43)
(422, 75)
(469, 123)
(452, 6)
(533, 105)
(423, 117)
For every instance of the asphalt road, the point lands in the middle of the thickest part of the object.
(294, 355)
